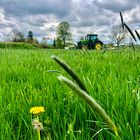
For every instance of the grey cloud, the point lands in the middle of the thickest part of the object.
(35, 20)
(88, 14)
(133, 15)
(26, 7)
(52, 29)
(84, 16)
(116, 5)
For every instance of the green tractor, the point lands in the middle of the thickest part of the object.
(90, 42)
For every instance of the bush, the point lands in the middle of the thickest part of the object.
(17, 45)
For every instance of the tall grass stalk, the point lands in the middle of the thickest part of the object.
(131, 33)
(91, 101)
(122, 22)
(138, 35)
(70, 72)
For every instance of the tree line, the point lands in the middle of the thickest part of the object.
(63, 36)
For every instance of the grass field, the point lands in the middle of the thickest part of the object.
(112, 78)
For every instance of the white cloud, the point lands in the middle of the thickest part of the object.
(2, 17)
(88, 16)
(133, 15)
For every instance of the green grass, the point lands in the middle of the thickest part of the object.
(110, 78)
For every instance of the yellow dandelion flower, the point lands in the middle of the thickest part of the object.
(37, 110)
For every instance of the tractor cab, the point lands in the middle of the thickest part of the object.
(91, 37)
(91, 41)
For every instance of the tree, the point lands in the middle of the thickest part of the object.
(31, 38)
(63, 32)
(54, 43)
(30, 35)
(17, 36)
(118, 35)
(59, 43)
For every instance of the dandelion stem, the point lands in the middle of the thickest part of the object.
(38, 130)
(39, 135)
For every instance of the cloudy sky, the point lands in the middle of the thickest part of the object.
(85, 16)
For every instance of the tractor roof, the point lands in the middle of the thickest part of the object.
(92, 34)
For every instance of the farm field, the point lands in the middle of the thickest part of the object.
(28, 79)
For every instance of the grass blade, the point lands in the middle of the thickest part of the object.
(138, 35)
(130, 32)
(92, 103)
(133, 46)
(70, 72)
(105, 50)
(85, 49)
(122, 20)
(53, 71)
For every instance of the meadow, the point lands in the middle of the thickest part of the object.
(28, 78)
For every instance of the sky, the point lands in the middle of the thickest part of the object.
(84, 16)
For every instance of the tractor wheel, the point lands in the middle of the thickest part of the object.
(98, 45)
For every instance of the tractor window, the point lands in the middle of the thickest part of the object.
(93, 37)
